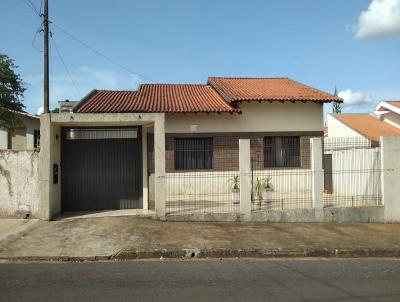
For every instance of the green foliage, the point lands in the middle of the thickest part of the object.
(11, 93)
(337, 108)
(261, 185)
(55, 110)
(235, 182)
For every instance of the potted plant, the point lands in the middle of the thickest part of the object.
(235, 182)
(263, 189)
(267, 189)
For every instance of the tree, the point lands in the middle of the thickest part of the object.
(11, 93)
(336, 107)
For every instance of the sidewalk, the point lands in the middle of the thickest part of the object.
(12, 229)
(130, 238)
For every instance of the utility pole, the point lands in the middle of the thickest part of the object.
(46, 57)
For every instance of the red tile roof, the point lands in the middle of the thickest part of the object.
(368, 126)
(218, 96)
(103, 101)
(182, 98)
(268, 89)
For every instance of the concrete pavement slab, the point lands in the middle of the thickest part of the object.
(132, 237)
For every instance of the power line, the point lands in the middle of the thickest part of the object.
(65, 65)
(32, 7)
(34, 38)
(101, 54)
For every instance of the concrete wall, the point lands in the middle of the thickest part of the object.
(19, 183)
(338, 129)
(50, 200)
(334, 215)
(30, 124)
(255, 117)
(3, 139)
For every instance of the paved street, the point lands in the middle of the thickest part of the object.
(203, 280)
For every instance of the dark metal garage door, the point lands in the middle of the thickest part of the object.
(101, 169)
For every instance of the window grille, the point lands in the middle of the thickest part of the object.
(281, 151)
(193, 153)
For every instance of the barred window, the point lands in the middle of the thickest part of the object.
(193, 153)
(281, 151)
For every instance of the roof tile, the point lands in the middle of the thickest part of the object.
(368, 125)
(269, 89)
(182, 98)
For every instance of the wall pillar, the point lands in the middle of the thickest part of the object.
(145, 194)
(317, 176)
(159, 162)
(245, 178)
(45, 167)
(390, 163)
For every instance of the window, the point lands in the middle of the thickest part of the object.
(36, 139)
(193, 153)
(282, 151)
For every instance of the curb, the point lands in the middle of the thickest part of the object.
(217, 254)
(6, 240)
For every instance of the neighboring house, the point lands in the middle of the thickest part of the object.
(25, 136)
(66, 106)
(115, 141)
(385, 121)
(389, 111)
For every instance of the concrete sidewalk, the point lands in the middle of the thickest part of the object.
(13, 228)
(130, 238)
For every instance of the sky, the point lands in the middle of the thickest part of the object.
(352, 45)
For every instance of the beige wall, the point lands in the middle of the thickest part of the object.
(21, 138)
(17, 140)
(255, 117)
(19, 183)
(338, 129)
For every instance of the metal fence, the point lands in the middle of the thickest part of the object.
(281, 174)
(352, 173)
(202, 175)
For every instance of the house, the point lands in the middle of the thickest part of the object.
(25, 136)
(116, 147)
(385, 121)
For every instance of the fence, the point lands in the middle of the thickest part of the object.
(204, 176)
(281, 175)
(335, 173)
(352, 173)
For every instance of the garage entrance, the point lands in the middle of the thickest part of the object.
(101, 169)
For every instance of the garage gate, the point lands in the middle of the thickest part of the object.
(101, 168)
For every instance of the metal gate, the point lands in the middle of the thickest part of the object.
(101, 168)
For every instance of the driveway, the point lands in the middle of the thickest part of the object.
(133, 237)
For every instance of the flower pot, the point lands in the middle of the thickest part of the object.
(235, 196)
(267, 195)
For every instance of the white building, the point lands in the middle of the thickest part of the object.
(385, 121)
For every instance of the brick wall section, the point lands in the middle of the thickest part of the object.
(226, 149)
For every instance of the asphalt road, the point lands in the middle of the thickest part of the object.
(203, 280)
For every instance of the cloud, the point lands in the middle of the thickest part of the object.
(357, 101)
(86, 79)
(352, 98)
(381, 19)
(40, 110)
